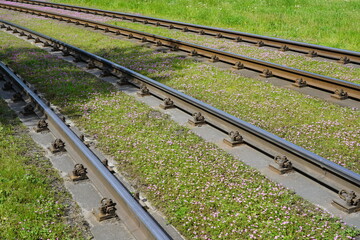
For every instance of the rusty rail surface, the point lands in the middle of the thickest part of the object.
(327, 173)
(338, 88)
(137, 220)
(343, 56)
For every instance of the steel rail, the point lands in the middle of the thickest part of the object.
(327, 173)
(266, 69)
(138, 221)
(343, 56)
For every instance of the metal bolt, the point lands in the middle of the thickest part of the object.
(41, 126)
(235, 139)
(260, 44)
(197, 120)
(300, 83)
(143, 91)
(214, 58)
(57, 146)
(106, 210)
(266, 73)
(167, 103)
(238, 65)
(283, 166)
(193, 53)
(311, 54)
(350, 203)
(284, 48)
(283, 162)
(340, 94)
(238, 39)
(344, 60)
(79, 173)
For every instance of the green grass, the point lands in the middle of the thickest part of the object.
(331, 23)
(205, 193)
(33, 202)
(328, 130)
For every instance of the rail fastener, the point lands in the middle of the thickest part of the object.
(350, 201)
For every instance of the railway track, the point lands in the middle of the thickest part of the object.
(337, 88)
(310, 165)
(341, 55)
(137, 220)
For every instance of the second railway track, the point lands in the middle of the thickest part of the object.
(329, 174)
(138, 221)
(337, 88)
(341, 55)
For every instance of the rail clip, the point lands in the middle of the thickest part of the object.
(79, 173)
(235, 139)
(350, 203)
(283, 165)
(106, 210)
(197, 120)
(41, 126)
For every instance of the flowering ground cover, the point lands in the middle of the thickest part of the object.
(331, 69)
(331, 23)
(328, 130)
(33, 201)
(202, 190)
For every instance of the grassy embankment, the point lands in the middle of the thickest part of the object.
(331, 23)
(33, 202)
(328, 130)
(205, 193)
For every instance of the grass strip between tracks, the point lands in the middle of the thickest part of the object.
(203, 191)
(33, 201)
(328, 130)
(332, 69)
(330, 23)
